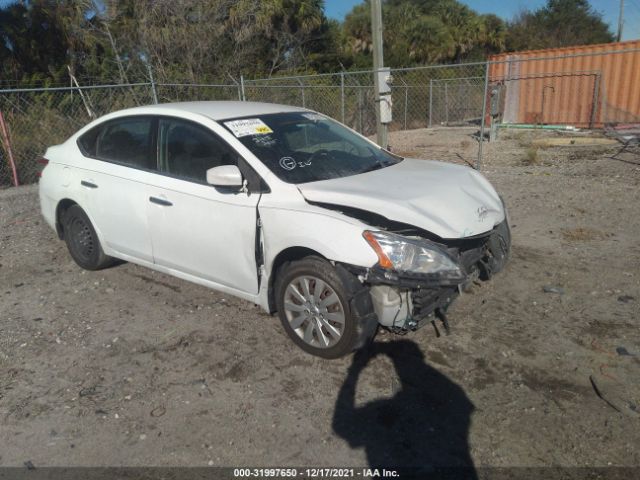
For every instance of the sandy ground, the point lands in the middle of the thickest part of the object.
(131, 367)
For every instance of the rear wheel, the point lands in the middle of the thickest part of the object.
(82, 240)
(324, 309)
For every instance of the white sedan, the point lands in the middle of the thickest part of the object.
(280, 206)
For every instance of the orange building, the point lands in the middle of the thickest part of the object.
(586, 86)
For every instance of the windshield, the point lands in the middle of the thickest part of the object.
(301, 147)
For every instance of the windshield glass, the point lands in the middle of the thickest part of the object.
(301, 147)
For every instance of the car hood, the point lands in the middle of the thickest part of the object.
(451, 201)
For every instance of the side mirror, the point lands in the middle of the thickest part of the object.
(225, 176)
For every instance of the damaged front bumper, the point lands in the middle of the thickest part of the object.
(406, 302)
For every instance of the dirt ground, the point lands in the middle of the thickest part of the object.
(131, 367)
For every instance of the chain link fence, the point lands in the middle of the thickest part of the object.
(37, 118)
(592, 87)
(455, 101)
(558, 98)
(455, 104)
(422, 97)
(178, 92)
(437, 96)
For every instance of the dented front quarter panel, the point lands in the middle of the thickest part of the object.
(332, 236)
(336, 237)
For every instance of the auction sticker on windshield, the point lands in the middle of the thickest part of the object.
(248, 126)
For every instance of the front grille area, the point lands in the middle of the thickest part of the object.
(427, 300)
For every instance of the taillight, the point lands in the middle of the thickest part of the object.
(43, 162)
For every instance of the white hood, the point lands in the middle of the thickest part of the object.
(448, 200)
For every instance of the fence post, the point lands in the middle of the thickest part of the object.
(430, 99)
(243, 98)
(153, 84)
(7, 144)
(484, 113)
(304, 102)
(406, 103)
(342, 95)
(360, 107)
(446, 103)
(604, 116)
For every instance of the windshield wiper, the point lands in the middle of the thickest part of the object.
(376, 166)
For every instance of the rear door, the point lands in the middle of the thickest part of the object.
(196, 228)
(120, 160)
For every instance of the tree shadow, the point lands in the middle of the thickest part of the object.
(422, 430)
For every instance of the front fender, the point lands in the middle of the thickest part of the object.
(333, 237)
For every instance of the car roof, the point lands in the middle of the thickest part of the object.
(216, 110)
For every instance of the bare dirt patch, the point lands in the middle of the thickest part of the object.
(582, 234)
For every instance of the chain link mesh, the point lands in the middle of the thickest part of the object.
(448, 99)
(176, 92)
(558, 98)
(421, 97)
(38, 118)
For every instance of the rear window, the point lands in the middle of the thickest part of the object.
(87, 142)
(126, 141)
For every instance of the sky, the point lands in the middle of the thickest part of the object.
(507, 9)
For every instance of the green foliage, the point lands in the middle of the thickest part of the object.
(190, 40)
(114, 41)
(419, 32)
(560, 23)
(41, 39)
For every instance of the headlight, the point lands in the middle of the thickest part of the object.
(408, 255)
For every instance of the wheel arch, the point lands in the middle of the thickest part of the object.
(64, 205)
(289, 254)
(61, 208)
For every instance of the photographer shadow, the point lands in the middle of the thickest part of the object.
(422, 430)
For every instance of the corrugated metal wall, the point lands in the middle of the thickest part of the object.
(585, 86)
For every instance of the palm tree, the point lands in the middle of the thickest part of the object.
(464, 26)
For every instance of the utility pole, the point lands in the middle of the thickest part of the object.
(620, 20)
(378, 63)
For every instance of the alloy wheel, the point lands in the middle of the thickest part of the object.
(314, 311)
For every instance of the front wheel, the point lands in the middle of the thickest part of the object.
(324, 309)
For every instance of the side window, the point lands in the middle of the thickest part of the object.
(188, 150)
(127, 141)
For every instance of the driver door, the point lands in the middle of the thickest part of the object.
(195, 228)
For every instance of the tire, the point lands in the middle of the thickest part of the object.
(82, 240)
(329, 324)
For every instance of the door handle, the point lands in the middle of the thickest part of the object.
(84, 183)
(160, 201)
